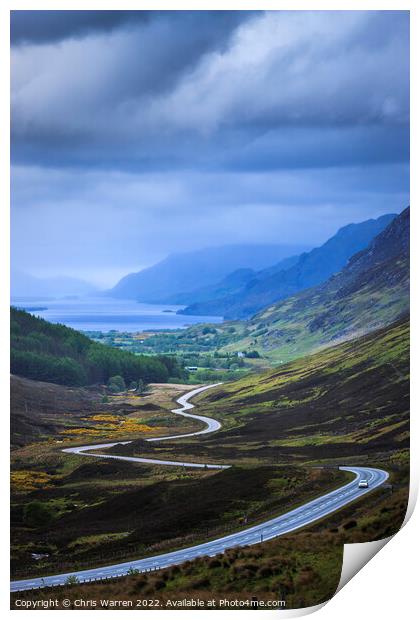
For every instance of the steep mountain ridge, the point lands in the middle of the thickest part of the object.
(190, 271)
(370, 292)
(310, 269)
(233, 284)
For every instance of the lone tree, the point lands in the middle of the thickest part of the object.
(141, 386)
(116, 384)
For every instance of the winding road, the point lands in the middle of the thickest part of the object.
(211, 426)
(283, 524)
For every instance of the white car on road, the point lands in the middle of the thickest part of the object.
(363, 484)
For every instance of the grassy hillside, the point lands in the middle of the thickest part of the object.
(346, 405)
(351, 400)
(302, 568)
(39, 409)
(370, 292)
(279, 282)
(57, 354)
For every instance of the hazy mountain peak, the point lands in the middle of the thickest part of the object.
(26, 285)
(311, 268)
(190, 271)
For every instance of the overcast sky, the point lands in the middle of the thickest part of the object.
(137, 134)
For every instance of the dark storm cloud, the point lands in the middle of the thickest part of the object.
(79, 97)
(311, 147)
(40, 27)
(175, 85)
(287, 148)
(49, 26)
(236, 126)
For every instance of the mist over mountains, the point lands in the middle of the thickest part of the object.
(234, 281)
(237, 281)
(169, 280)
(281, 281)
(26, 285)
(370, 292)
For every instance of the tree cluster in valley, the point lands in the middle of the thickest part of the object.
(47, 352)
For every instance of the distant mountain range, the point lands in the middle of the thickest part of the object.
(178, 275)
(26, 285)
(237, 298)
(370, 292)
(232, 284)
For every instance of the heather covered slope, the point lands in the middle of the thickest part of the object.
(351, 400)
(39, 409)
(347, 405)
(281, 281)
(370, 292)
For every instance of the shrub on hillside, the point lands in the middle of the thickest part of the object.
(37, 514)
(116, 384)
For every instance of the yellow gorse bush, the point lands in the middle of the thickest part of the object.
(82, 431)
(105, 417)
(118, 427)
(28, 480)
(136, 426)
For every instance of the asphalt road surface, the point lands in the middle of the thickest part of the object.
(283, 524)
(211, 425)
